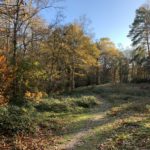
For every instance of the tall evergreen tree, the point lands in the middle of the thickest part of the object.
(140, 28)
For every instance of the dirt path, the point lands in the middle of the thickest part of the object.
(97, 119)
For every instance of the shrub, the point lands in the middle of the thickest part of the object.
(14, 119)
(35, 96)
(67, 104)
(60, 106)
(54, 105)
(87, 101)
(136, 80)
(43, 106)
(148, 107)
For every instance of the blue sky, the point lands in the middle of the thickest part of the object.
(109, 18)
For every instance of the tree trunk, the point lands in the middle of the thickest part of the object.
(148, 47)
(98, 74)
(15, 80)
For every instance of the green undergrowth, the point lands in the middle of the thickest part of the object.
(15, 120)
(67, 104)
(129, 135)
(48, 114)
(126, 125)
(112, 117)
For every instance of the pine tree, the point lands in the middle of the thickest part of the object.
(140, 28)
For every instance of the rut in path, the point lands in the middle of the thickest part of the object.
(97, 119)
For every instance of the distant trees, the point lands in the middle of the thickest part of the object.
(70, 55)
(111, 61)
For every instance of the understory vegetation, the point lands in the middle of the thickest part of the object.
(100, 117)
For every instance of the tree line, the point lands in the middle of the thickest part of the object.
(50, 58)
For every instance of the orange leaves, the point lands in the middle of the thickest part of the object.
(3, 65)
(5, 78)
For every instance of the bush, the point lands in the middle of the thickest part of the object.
(148, 107)
(35, 96)
(43, 106)
(87, 101)
(136, 80)
(67, 104)
(14, 119)
(60, 106)
(54, 105)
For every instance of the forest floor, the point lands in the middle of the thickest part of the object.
(121, 121)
